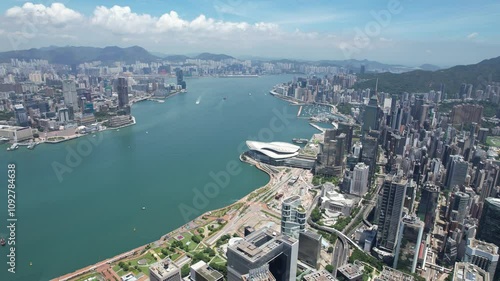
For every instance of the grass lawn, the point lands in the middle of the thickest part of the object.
(493, 141)
(175, 256)
(142, 268)
(187, 237)
(88, 277)
(218, 260)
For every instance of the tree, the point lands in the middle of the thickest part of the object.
(185, 270)
(316, 214)
(330, 250)
(329, 268)
(195, 239)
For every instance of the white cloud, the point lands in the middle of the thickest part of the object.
(472, 35)
(122, 20)
(56, 15)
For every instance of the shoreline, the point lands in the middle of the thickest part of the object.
(118, 257)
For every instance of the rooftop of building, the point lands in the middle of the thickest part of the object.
(483, 246)
(311, 234)
(493, 201)
(206, 271)
(321, 275)
(413, 221)
(12, 128)
(260, 243)
(163, 268)
(350, 271)
(390, 274)
(469, 272)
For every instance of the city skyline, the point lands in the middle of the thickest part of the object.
(396, 32)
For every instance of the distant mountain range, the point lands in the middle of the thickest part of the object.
(75, 55)
(479, 75)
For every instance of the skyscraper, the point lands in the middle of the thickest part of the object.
(70, 94)
(359, 180)
(489, 224)
(293, 216)
(428, 206)
(459, 207)
(390, 210)
(409, 239)
(263, 247)
(456, 171)
(21, 115)
(371, 115)
(310, 248)
(122, 90)
(482, 254)
(180, 78)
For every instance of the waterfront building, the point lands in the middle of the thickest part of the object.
(293, 216)
(310, 248)
(21, 115)
(359, 180)
(164, 271)
(15, 133)
(483, 254)
(410, 235)
(120, 120)
(466, 272)
(428, 205)
(69, 93)
(278, 154)
(390, 211)
(201, 271)
(263, 247)
(122, 90)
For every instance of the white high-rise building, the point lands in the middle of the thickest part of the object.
(69, 94)
(359, 181)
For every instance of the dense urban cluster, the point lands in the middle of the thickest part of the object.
(404, 186)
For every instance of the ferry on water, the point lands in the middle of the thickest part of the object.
(300, 141)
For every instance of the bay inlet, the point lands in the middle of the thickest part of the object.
(93, 211)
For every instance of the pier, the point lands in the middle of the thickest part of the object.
(318, 127)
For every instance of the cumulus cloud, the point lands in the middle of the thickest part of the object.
(122, 20)
(472, 35)
(56, 14)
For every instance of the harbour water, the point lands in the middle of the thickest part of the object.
(78, 202)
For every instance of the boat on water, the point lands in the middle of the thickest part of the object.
(2, 242)
(300, 141)
(143, 208)
(197, 102)
(249, 94)
(13, 147)
(183, 91)
(32, 145)
(224, 98)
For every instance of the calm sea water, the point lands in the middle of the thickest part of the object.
(78, 202)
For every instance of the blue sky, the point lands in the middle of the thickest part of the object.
(392, 31)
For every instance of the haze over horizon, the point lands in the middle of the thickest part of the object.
(395, 32)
